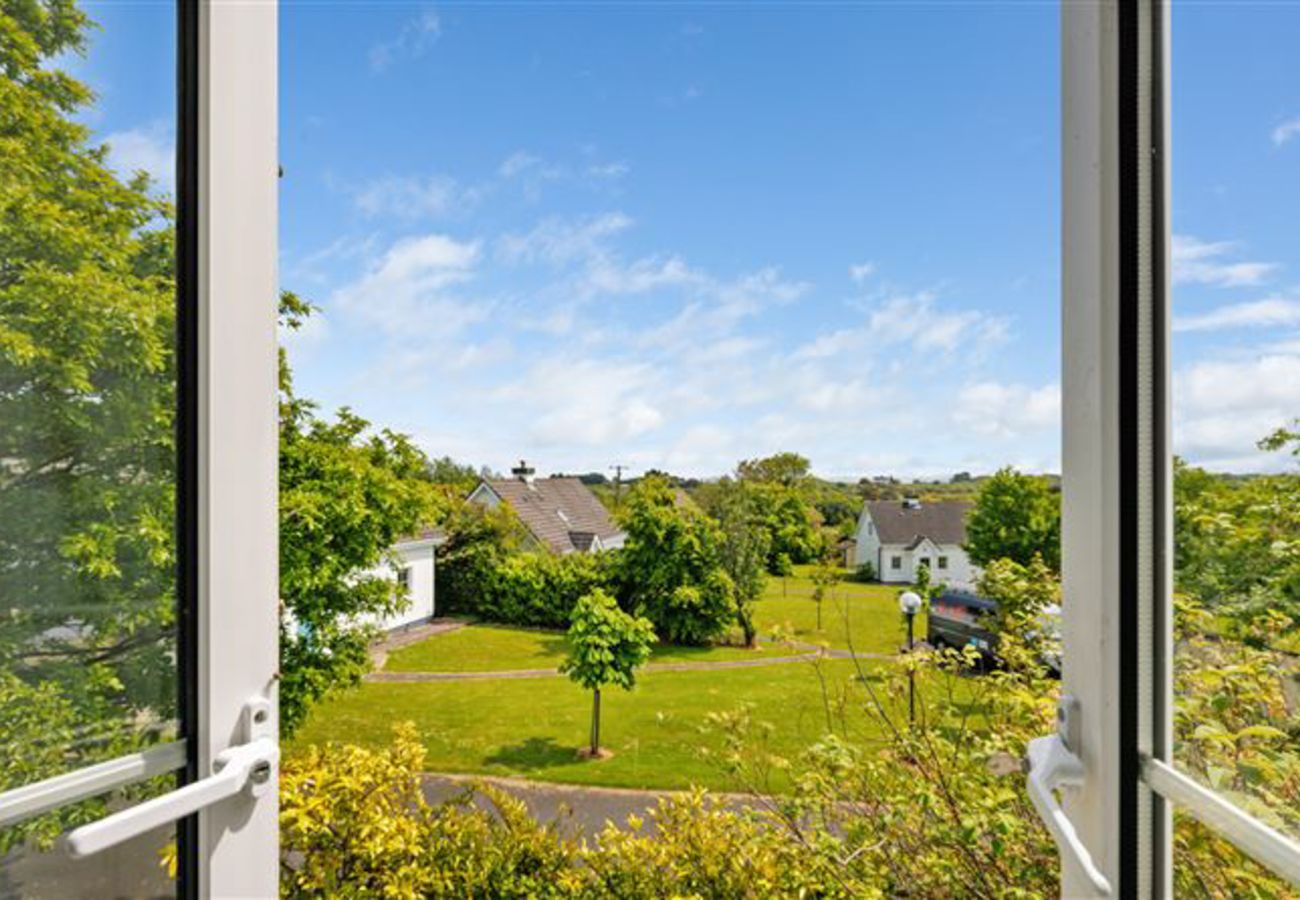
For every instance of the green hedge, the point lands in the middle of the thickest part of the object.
(535, 589)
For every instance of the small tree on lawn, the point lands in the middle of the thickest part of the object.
(823, 579)
(606, 646)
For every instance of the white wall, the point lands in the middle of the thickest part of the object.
(419, 557)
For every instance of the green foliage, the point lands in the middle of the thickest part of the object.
(791, 525)
(459, 477)
(533, 589)
(347, 494)
(606, 645)
(670, 567)
(824, 579)
(743, 552)
(87, 444)
(1233, 727)
(786, 469)
(1237, 544)
(355, 823)
(865, 573)
(1015, 517)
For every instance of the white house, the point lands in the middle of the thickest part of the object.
(416, 566)
(899, 536)
(561, 514)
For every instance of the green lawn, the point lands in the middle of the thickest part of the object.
(863, 615)
(495, 648)
(534, 727)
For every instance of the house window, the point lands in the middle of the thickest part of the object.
(404, 578)
(943, 562)
(896, 562)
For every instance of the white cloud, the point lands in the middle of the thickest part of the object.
(1223, 407)
(608, 170)
(1285, 132)
(1201, 262)
(559, 241)
(1269, 312)
(413, 41)
(914, 318)
(993, 409)
(405, 291)
(860, 272)
(586, 401)
(150, 148)
(517, 163)
(435, 196)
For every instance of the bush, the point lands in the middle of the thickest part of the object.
(531, 589)
(354, 823)
(865, 573)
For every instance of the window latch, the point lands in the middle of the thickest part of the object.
(1053, 766)
(241, 769)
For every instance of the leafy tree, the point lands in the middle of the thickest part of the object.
(1015, 517)
(1237, 544)
(87, 444)
(786, 469)
(743, 552)
(460, 477)
(606, 646)
(670, 567)
(347, 494)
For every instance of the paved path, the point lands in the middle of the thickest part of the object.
(582, 809)
(554, 673)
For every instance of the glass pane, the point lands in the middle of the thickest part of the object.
(88, 624)
(1236, 399)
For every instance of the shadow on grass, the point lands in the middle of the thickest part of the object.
(534, 753)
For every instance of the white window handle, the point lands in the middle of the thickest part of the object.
(1052, 766)
(244, 768)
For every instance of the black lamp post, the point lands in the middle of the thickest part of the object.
(910, 603)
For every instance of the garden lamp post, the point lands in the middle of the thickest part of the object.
(910, 603)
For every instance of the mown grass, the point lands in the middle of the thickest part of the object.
(497, 648)
(864, 617)
(534, 727)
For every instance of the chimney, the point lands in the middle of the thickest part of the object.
(523, 472)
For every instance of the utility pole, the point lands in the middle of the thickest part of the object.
(618, 468)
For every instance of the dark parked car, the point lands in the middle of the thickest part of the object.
(961, 618)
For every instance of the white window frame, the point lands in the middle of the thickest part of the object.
(1116, 527)
(238, 840)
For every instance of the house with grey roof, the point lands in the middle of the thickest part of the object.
(899, 536)
(561, 514)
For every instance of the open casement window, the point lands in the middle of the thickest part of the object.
(139, 644)
(1112, 764)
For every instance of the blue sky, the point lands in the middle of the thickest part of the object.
(676, 235)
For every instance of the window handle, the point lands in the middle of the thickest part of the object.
(246, 769)
(1051, 766)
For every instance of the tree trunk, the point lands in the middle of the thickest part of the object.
(595, 722)
(819, 615)
(746, 621)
